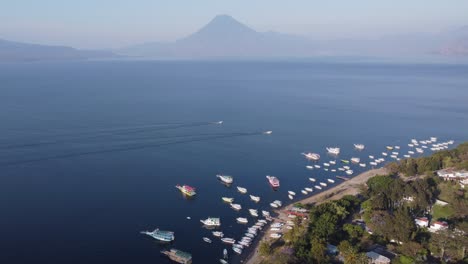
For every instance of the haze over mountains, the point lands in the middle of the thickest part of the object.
(225, 37)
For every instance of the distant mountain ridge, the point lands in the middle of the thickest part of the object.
(225, 37)
(18, 51)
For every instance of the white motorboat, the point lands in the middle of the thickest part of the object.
(255, 198)
(359, 146)
(241, 189)
(334, 151)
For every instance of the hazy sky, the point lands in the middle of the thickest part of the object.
(116, 23)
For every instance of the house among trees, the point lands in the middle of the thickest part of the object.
(376, 258)
(451, 174)
(422, 221)
(438, 225)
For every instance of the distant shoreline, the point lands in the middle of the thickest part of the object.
(349, 187)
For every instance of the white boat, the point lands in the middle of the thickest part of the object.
(237, 250)
(397, 147)
(265, 213)
(424, 147)
(433, 139)
(309, 189)
(334, 151)
(253, 212)
(393, 156)
(291, 193)
(419, 150)
(227, 199)
(312, 179)
(371, 157)
(355, 160)
(384, 154)
(389, 147)
(311, 156)
(222, 261)
(346, 167)
(211, 221)
(326, 164)
(333, 162)
(406, 156)
(228, 240)
(274, 182)
(278, 202)
(317, 166)
(207, 240)
(318, 187)
(236, 206)
(225, 178)
(395, 153)
(255, 198)
(304, 192)
(450, 142)
(241, 189)
(325, 169)
(411, 152)
(217, 233)
(414, 141)
(330, 180)
(362, 165)
(410, 145)
(274, 205)
(309, 167)
(349, 172)
(275, 235)
(341, 169)
(275, 229)
(359, 146)
(290, 197)
(373, 163)
(268, 132)
(333, 170)
(323, 184)
(242, 220)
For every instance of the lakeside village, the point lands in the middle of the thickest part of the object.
(416, 211)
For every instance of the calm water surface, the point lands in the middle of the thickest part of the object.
(90, 152)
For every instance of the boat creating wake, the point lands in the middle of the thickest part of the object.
(126, 139)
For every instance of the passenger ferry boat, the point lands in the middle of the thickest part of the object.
(166, 236)
(187, 190)
(178, 256)
(274, 182)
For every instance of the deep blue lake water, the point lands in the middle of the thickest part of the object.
(90, 152)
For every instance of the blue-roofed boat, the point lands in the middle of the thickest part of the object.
(166, 236)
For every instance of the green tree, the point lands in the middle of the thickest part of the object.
(318, 250)
(264, 248)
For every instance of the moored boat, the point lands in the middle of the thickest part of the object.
(309, 167)
(330, 180)
(359, 146)
(291, 193)
(225, 178)
(255, 198)
(312, 179)
(355, 160)
(187, 190)
(207, 240)
(211, 221)
(362, 165)
(308, 189)
(217, 233)
(290, 197)
(304, 192)
(227, 199)
(241, 189)
(274, 182)
(311, 156)
(242, 220)
(334, 151)
(228, 240)
(236, 206)
(318, 187)
(323, 184)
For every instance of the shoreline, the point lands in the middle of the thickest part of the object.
(348, 187)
